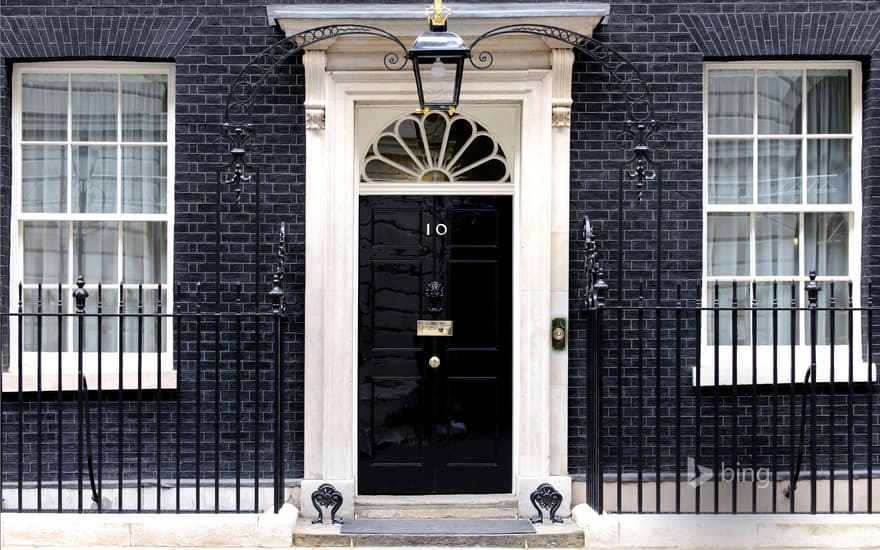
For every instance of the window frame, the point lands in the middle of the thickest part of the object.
(149, 361)
(853, 209)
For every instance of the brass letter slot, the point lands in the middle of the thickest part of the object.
(433, 328)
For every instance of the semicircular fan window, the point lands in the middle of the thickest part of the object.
(435, 148)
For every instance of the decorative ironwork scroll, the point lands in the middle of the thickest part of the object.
(327, 496)
(237, 130)
(596, 289)
(546, 497)
(640, 134)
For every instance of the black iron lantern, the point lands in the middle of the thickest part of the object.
(438, 62)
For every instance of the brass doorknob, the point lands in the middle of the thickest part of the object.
(434, 362)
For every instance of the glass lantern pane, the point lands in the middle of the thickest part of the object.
(827, 246)
(144, 107)
(779, 102)
(731, 102)
(93, 103)
(779, 171)
(44, 107)
(829, 167)
(728, 244)
(829, 109)
(777, 244)
(43, 178)
(144, 179)
(93, 178)
(730, 172)
(438, 80)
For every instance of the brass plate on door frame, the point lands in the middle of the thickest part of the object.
(433, 328)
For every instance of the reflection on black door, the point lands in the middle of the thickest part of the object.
(444, 428)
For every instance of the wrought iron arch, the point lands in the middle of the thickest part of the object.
(640, 134)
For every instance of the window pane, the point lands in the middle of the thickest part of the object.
(94, 251)
(730, 172)
(144, 107)
(94, 107)
(143, 179)
(44, 107)
(731, 102)
(94, 179)
(143, 252)
(728, 244)
(776, 244)
(724, 292)
(109, 325)
(828, 102)
(829, 166)
(779, 171)
(43, 336)
(840, 291)
(45, 252)
(43, 178)
(779, 102)
(151, 324)
(827, 246)
(784, 291)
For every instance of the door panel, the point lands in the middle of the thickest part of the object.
(444, 429)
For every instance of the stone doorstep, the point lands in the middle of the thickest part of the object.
(566, 535)
(267, 530)
(434, 507)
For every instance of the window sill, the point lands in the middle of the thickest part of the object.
(150, 378)
(765, 365)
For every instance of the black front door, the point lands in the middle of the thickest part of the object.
(434, 410)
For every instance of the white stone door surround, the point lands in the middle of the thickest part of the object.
(528, 72)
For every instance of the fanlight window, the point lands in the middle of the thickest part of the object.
(435, 148)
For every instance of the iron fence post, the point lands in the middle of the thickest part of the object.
(79, 295)
(276, 296)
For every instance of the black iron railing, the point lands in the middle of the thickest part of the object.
(759, 398)
(113, 402)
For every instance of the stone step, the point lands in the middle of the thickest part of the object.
(436, 507)
(565, 535)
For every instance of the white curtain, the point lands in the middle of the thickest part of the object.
(44, 107)
(731, 102)
(779, 172)
(779, 102)
(93, 102)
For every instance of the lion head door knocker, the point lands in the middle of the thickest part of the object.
(434, 292)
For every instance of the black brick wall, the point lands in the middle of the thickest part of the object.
(209, 41)
(668, 42)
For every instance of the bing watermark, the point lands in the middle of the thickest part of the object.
(697, 474)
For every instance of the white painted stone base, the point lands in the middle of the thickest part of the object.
(728, 531)
(344, 486)
(526, 484)
(149, 530)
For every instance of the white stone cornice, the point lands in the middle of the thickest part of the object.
(468, 20)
